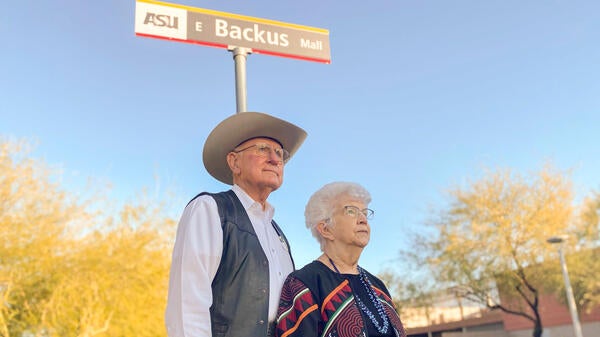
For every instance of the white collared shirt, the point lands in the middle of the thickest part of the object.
(196, 257)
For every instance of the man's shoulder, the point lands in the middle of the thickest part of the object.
(204, 197)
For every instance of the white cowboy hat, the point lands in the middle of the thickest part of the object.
(241, 127)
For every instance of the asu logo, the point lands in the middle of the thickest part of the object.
(162, 20)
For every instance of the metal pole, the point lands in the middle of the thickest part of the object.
(570, 297)
(239, 57)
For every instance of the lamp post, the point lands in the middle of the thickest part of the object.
(570, 298)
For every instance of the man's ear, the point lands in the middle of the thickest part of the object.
(232, 161)
(325, 230)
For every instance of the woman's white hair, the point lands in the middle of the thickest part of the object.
(321, 204)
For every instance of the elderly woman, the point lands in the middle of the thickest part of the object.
(333, 295)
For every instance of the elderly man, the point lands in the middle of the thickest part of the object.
(230, 258)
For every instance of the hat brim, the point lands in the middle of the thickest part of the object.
(241, 127)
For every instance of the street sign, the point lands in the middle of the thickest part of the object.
(225, 30)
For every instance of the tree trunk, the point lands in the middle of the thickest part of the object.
(537, 328)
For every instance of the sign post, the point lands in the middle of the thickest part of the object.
(239, 57)
(239, 34)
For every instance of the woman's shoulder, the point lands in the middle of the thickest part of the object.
(377, 282)
(310, 270)
(318, 279)
(315, 276)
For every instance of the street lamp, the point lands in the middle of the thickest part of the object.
(570, 298)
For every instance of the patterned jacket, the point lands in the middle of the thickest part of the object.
(317, 302)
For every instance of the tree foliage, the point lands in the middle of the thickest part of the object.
(586, 266)
(491, 239)
(408, 296)
(69, 271)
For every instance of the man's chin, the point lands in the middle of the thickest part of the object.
(273, 185)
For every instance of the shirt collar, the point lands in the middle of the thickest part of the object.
(250, 203)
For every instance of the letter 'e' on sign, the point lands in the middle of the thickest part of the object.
(225, 30)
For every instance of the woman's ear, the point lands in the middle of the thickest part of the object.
(232, 161)
(324, 230)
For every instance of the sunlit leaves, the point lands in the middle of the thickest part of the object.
(69, 271)
(492, 235)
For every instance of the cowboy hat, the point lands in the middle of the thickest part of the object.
(241, 127)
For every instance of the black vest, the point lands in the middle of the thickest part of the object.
(241, 286)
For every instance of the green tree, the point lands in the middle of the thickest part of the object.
(117, 279)
(584, 266)
(68, 271)
(34, 234)
(412, 298)
(491, 239)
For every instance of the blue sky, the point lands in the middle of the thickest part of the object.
(420, 96)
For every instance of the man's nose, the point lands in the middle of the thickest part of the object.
(273, 157)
